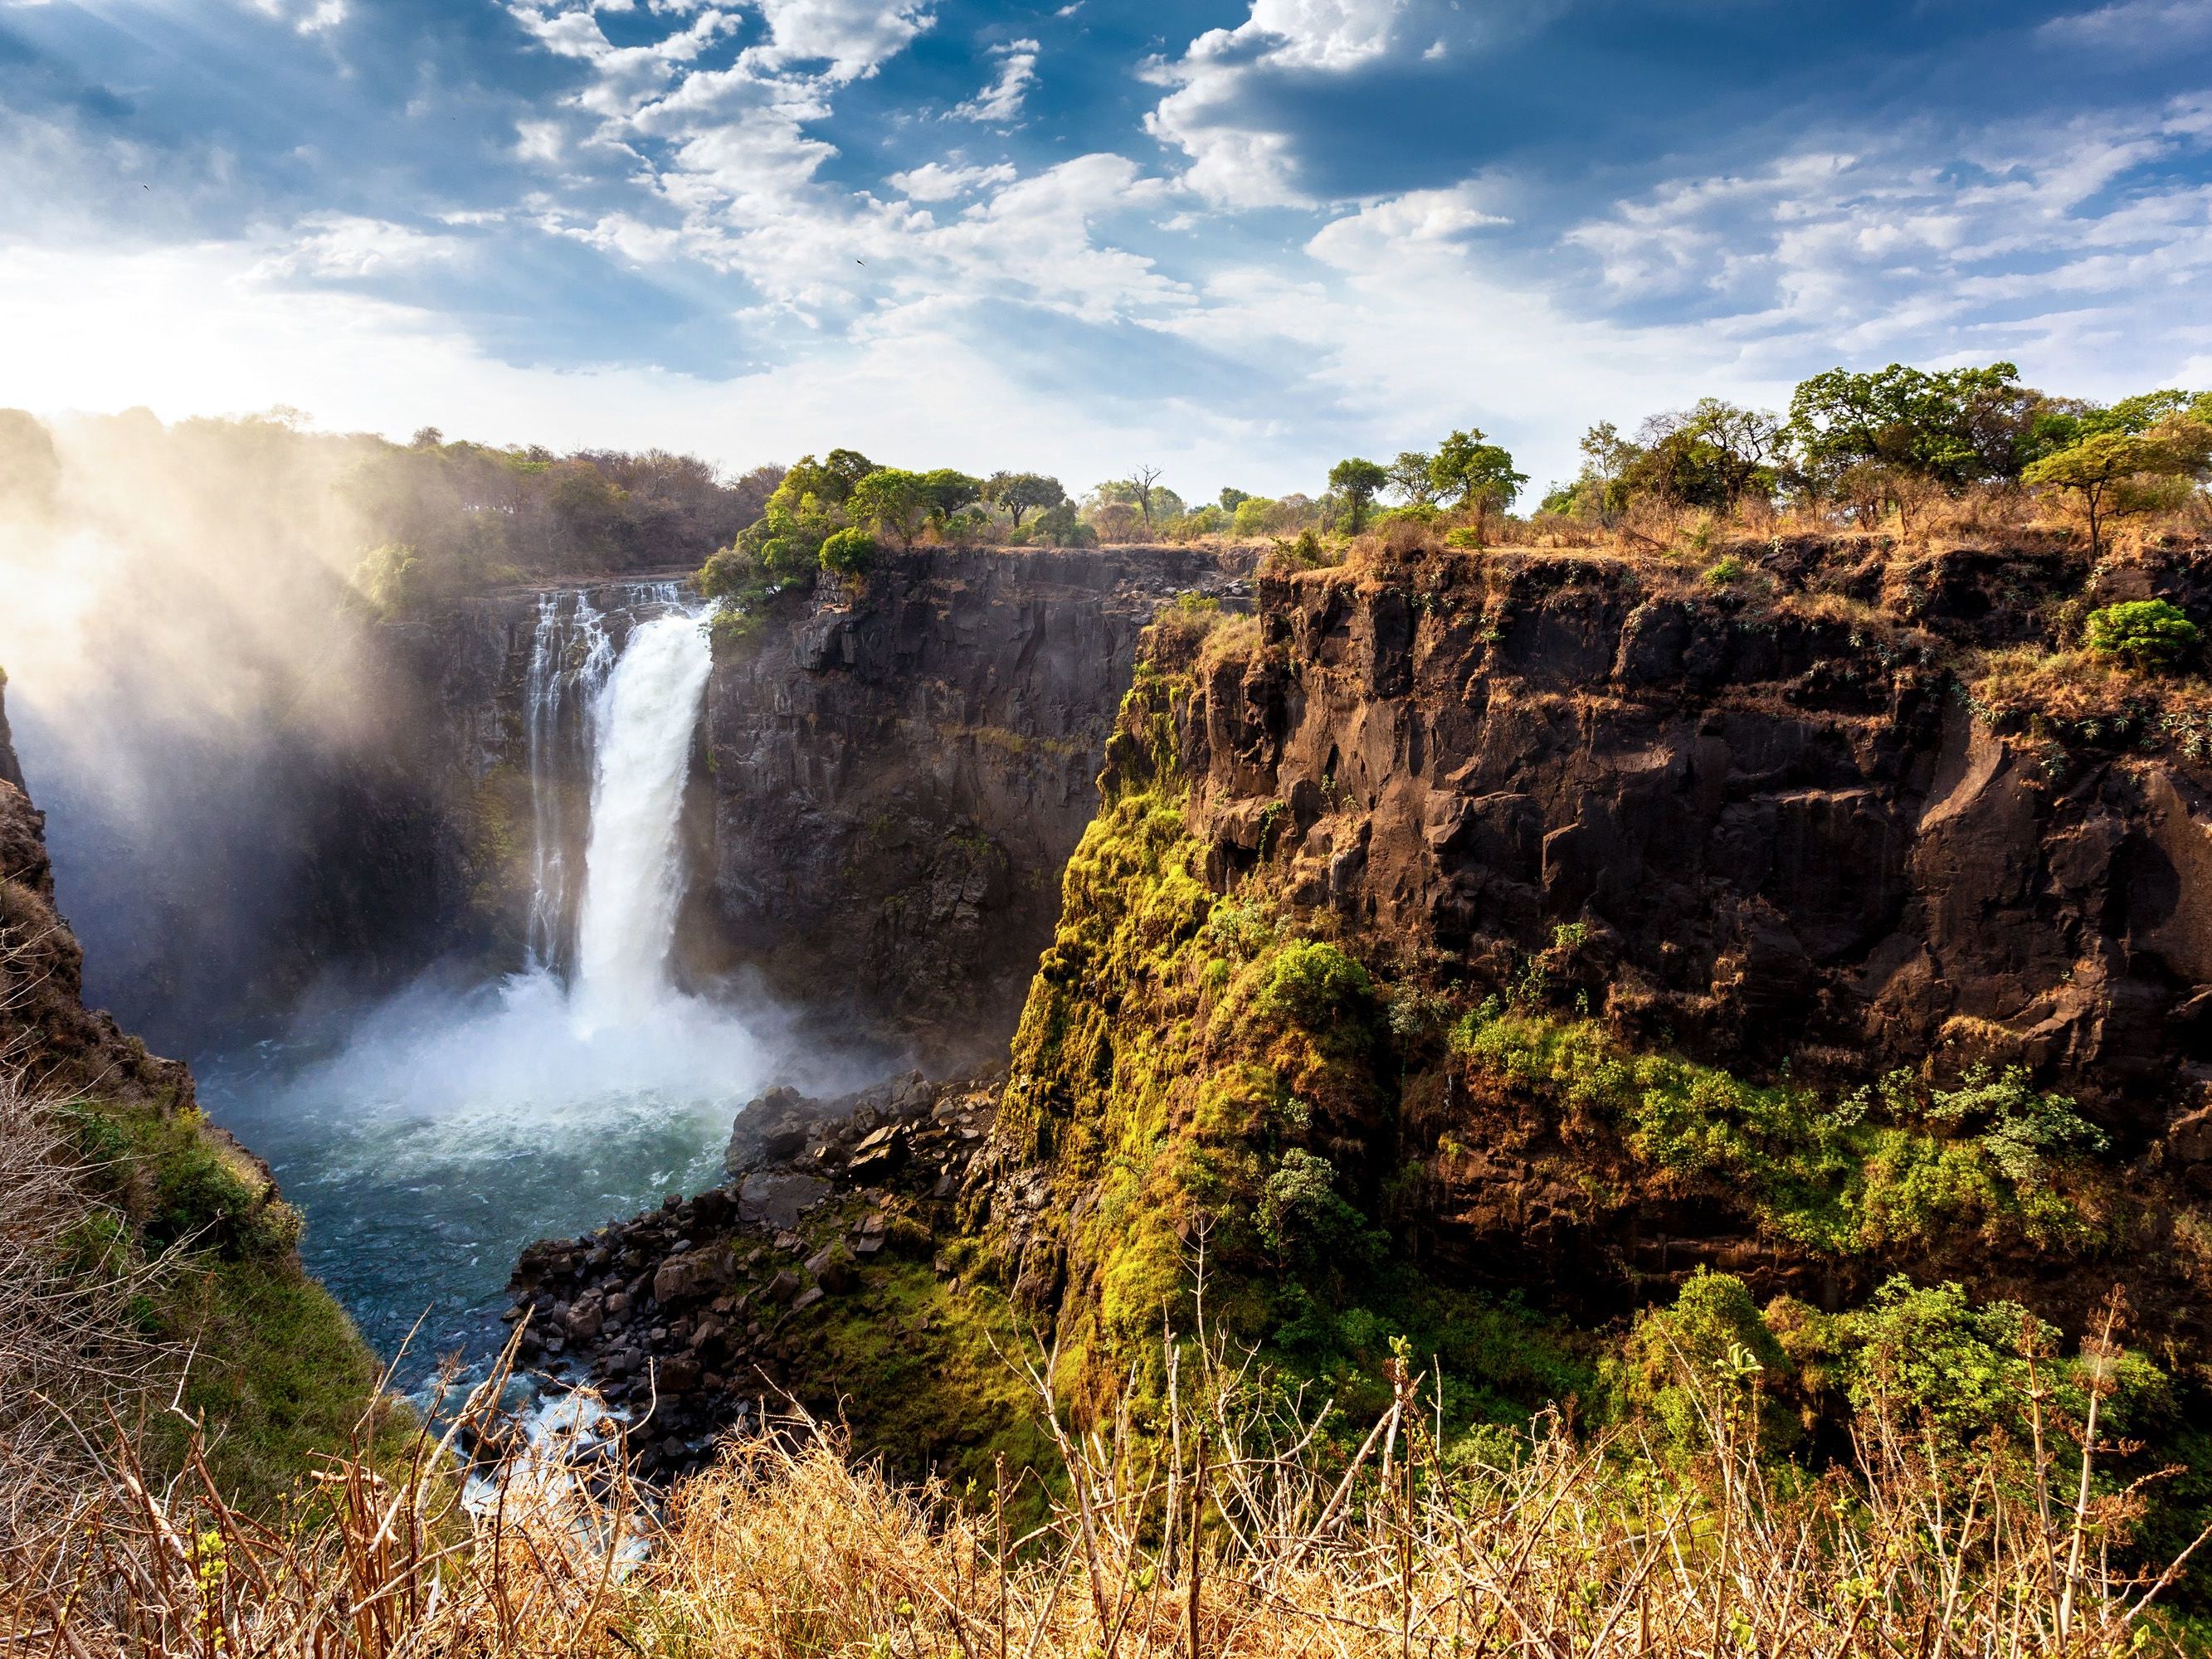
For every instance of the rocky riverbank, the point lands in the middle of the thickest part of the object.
(687, 1317)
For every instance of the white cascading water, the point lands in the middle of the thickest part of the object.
(570, 653)
(633, 872)
(455, 1124)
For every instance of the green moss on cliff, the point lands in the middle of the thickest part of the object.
(275, 1373)
(1206, 1085)
(1889, 1167)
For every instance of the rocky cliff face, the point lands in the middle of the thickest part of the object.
(887, 785)
(898, 775)
(1781, 825)
(46, 1033)
(1577, 922)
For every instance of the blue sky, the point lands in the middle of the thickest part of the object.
(1238, 238)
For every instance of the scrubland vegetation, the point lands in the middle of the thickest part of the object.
(1240, 1519)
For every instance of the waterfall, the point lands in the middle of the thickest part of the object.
(633, 871)
(570, 653)
(451, 1129)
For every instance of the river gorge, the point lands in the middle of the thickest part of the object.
(513, 966)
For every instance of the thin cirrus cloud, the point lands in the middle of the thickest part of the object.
(1001, 101)
(1251, 234)
(2133, 27)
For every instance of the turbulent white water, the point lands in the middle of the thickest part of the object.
(453, 1127)
(570, 654)
(633, 876)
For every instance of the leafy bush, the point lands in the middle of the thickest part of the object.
(2018, 1126)
(2145, 634)
(1301, 1216)
(1314, 985)
(848, 552)
(1709, 1353)
(392, 578)
(1857, 1173)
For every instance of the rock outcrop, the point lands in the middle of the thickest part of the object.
(899, 775)
(47, 1036)
(1781, 828)
(698, 1310)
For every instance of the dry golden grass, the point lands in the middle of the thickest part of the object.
(2080, 686)
(1237, 1526)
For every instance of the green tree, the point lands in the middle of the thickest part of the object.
(1060, 526)
(948, 491)
(1710, 455)
(1948, 427)
(1232, 499)
(1357, 481)
(1019, 493)
(2105, 470)
(1474, 474)
(848, 552)
(392, 578)
(897, 503)
(1412, 475)
(2147, 634)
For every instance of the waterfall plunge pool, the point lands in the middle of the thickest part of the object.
(452, 1126)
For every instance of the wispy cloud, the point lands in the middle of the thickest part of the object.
(1001, 103)
(2132, 26)
(935, 181)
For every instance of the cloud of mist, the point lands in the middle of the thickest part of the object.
(176, 586)
(178, 631)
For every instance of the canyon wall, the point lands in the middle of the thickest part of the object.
(1577, 923)
(887, 784)
(899, 775)
(1782, 826)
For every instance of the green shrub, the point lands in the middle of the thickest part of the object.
(1313, 985)
(2145, 634)
(1302, 1217)
(2019, 1126)
(1827, 1175)
(1725, 572)
(848, 552)
(1708, 1356)
(392, 577)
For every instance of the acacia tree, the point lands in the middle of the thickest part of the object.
(2106, 469)
(1470, 471)
(1412, 475)
(1946, 428)
(1018, 493)
(1357, 481)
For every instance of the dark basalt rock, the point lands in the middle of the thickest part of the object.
(899, 775)
(695, 1309)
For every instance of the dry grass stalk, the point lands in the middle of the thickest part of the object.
(1254, 1539)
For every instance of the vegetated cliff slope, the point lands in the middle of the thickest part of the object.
(899, 773)
(1564, 923)
(193, 1222)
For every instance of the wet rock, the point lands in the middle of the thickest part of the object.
(831, 1267)
(775, 1199)
(679, 1376)
(688, 1276)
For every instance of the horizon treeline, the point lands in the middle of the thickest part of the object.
(405, 524)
